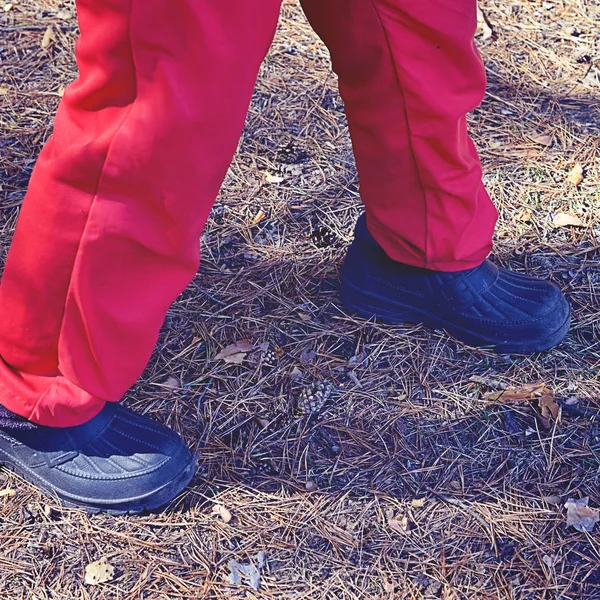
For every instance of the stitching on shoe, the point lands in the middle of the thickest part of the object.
(135, 439)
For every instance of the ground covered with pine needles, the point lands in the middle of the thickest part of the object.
(343, 458)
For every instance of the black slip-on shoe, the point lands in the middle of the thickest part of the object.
(119, 462)
(486, 306)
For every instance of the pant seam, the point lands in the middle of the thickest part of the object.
(95, 197)
(408, 125)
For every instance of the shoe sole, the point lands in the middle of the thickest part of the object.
(369, 306)
(152, 502)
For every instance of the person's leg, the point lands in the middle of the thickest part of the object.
(408, 73)
(109, 231)
(109, 236)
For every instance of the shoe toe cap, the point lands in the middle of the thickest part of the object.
(133, 462)
(531, 312)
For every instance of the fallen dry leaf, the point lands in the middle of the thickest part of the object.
(418, 503)
(576, 175)
(235, 353)
(551, 560)
(64, 15)
(7, 492)
(525, 215)
(542, 140)
(172, 383)
(549, 407)
(539, 392)
(566, 220)
(249, 573)
(258, 217)
(399, 524)
(483, 25)
(556, 500)
(220, 511)
(580, 515)
(270, 178)
(514, 394)
(99, 572)
(49, 37)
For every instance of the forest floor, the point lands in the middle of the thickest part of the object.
(423, 468)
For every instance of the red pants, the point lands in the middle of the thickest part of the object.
(108, 234)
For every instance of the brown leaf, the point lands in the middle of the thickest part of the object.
(542, 140)
(555, 500)
(49, 37)
(388, 586)
(544, 396)
(527, 391)
(525, 215)
(566, 220)
(549, 407)
(399, 524)
(576, 175)
(220, 511)
(235, 353)
(580, 515)
(260, 215)
(99, 572)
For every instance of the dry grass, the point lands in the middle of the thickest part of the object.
(404, 421)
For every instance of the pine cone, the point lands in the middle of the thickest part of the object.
(313, 398)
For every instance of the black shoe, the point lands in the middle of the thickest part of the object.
(484, 306)
(119, 462)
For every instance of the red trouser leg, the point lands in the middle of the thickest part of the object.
(109, 231)
(409, 72)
